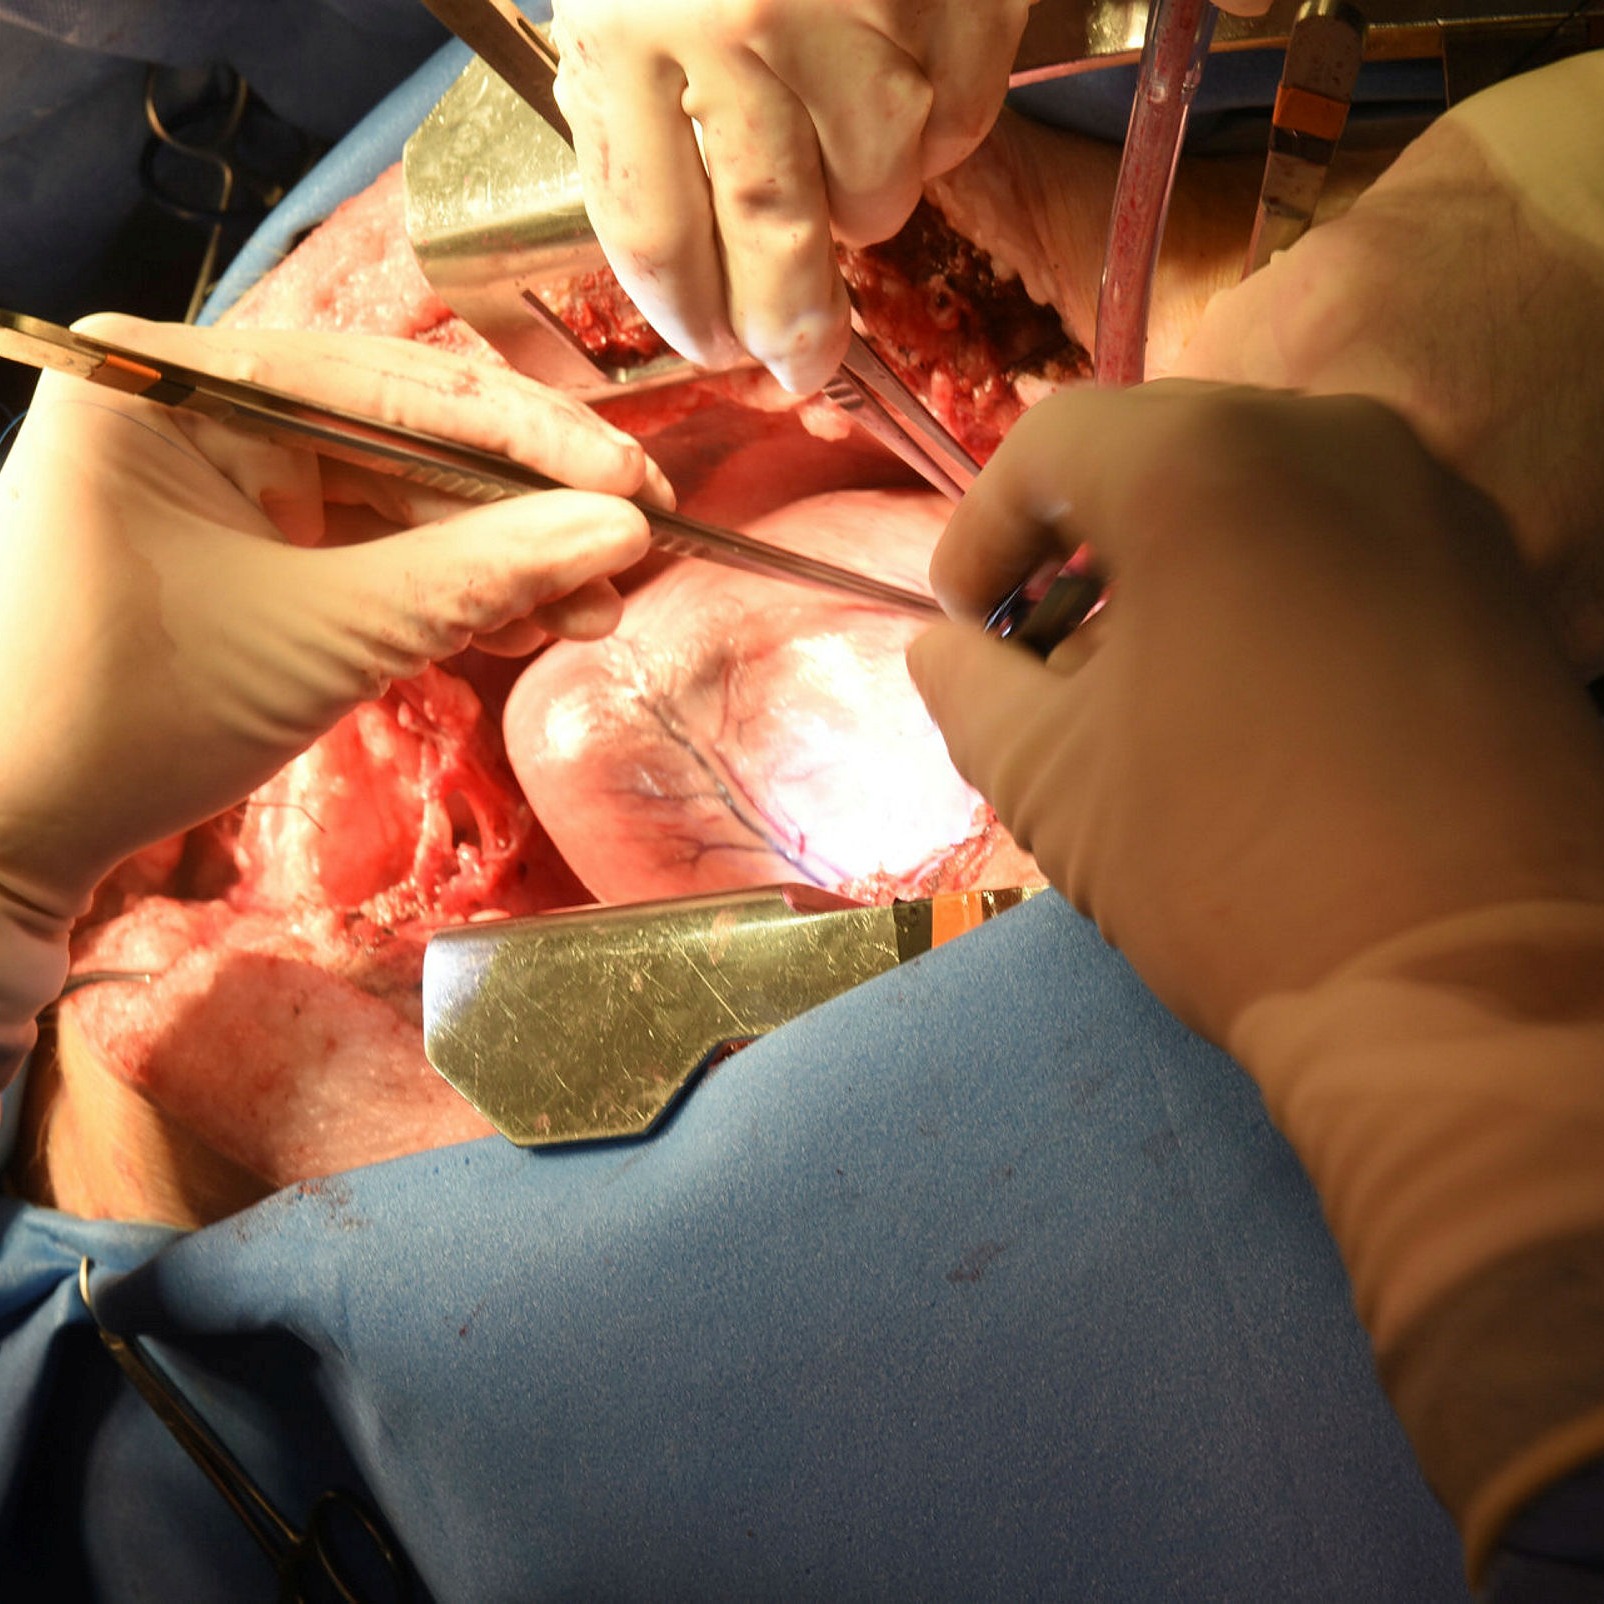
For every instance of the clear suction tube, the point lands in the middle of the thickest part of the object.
(1176, 46)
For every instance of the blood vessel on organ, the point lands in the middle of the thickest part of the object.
(737, 731)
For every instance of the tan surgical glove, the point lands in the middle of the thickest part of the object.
(815, 117)
(184, 607)
(1466, 289)
(1320, 773)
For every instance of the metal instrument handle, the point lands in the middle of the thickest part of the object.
(866, 388)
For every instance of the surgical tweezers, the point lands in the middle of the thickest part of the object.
(867, 390)
(345, 1545)
(409, 454)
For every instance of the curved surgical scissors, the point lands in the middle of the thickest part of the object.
(345, 1549)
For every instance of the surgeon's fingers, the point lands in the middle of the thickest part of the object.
(1112, 469)
(589, 612)
(787, 303)
(476, 403)
(427, 593)
(896, 101)
(867, 103)
(968, 59)
(287, 486)
(1007, 719)
(647, 194)
(1018, 516)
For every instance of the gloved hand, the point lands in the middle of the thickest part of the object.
(814, 115)
(1319, 771)
(1466, 289)
(168, 636)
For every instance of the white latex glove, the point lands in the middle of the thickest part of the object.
(1319, 771)
(169, 639)
(815, 116)
(1466, 289)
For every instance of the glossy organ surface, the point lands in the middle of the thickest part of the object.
(738, 730)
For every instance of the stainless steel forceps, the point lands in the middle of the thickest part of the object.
(869, 392)
(344, 1552)
(422, 458)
